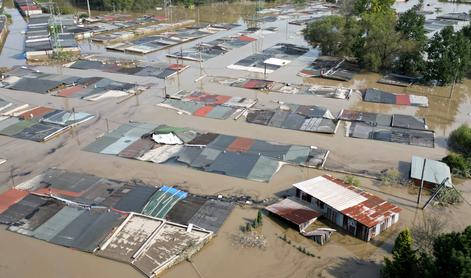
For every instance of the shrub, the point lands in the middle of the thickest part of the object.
(460, 166)
(8, 16)
(390, 177)
(448, 196)
(352, 181)
(460, 140)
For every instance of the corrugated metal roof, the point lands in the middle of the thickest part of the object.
(370, 212)
(49, 229)
(293, 211)
(333, 194)
(11, 197)
(130, 236)
(435, 171)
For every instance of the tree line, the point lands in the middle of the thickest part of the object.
(450, 256)
(381, 41)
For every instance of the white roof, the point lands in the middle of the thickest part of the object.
(167, 139)
(276, 61)
(331, 193)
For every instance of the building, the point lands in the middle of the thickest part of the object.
(294, 211)
(358, 212)
(434, 172)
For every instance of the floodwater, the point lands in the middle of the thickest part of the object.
(432, 6)
(344, 256)
(12, 52)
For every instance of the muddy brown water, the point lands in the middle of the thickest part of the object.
(343, 256)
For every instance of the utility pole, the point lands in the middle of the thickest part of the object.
(12, 176)
(88, 7)
(421, 181)
(456, 77)
(287, 24)
(137, 96)
(165, 89)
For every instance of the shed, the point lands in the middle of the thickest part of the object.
(295, 212)
(434, 174)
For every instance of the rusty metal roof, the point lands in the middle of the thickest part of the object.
(10, 197)
(293, 211)
(370, 212)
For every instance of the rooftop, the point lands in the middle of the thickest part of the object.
(353, 202)
(293, 211)
(435, 171)
(330, 192)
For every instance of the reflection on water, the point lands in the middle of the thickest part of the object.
(432, 6)
(12, 52)
(447, 113)
(213, 13)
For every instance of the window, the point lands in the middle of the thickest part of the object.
(320, 204)
(306, 197)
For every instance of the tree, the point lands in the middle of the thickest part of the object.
(411, 58)
(448, 55)
(380, 44)
(466, 30)
(411, 25)
(373, 6)
(351, 37)
(452, 254)
(425, 232)
(460, 166)
(451, 257)
(327, 33)
(404, 261)
(346, 7)
(259, 218)
(460, 140)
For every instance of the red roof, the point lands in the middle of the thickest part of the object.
(160, 17)
(257, 84)
(369, 212)
(293, 211)
(208, 98)
(246, 38)
(69, 91)
(11, 197)
(47, 191)
(203, 111)
(177, 67)
(29, 8)
(402, 99)
(241, 144)
(37, 112)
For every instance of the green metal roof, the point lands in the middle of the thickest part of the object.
(435, 171)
